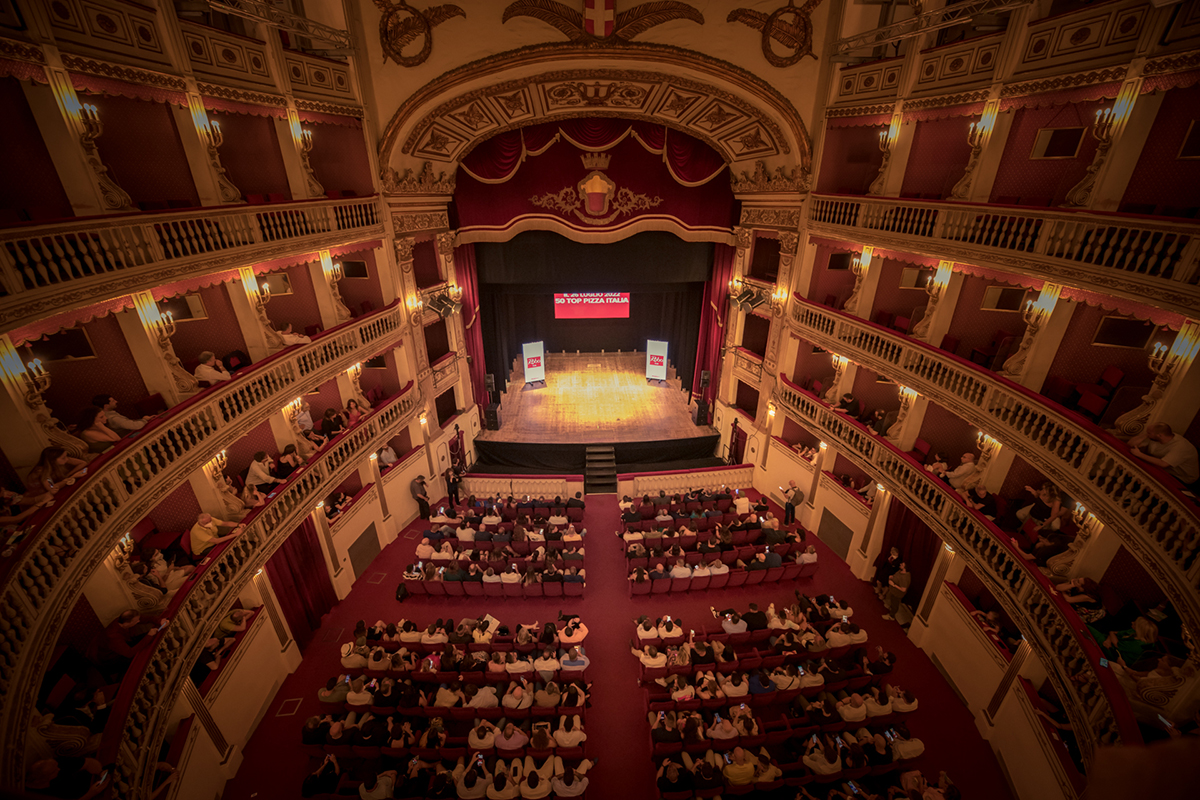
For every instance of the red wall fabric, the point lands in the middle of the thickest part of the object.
(811, 365)
(1020, 475)
(299, 309)
(1044, 181)
(251, 155)
(938, 157)
(326, 396)
(112, 371)
(1161, 179)
(1129, 578)
(81, 627)
(974, 326)
(713, 319)
(890, 298)
(177, 511)
(1080, 361)
(425, 264)
(825, 282)
(796, 434)
(356, 291)
(468, 279)
(301, 582)
(390, 377)
(29, 184)
(142, 151)
(844, 466)
(219, 333)
(948, 433)
(559, 169)
(339, 159)
(850, 160)
(873, 394)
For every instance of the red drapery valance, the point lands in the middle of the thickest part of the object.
(689, 161)
(22, 70)
(69, 319)
(1174, 80)
(94, 84)
(1083, 94)
(1129, 308)
(330, 119)
(946, 112)
(869, 121)
(235, 107)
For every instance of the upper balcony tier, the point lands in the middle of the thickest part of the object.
(1156, 522)
(1095, 702)
(52, 268)
(66, 542)
(1153, 261)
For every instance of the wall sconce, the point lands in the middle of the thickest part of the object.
(320, 504)
(862, 262)
(292, 409)
(32, 378)
(939, 280)
(258, 295)
(373, 456)
(1107, 126)
(986, 442)
(824, 446)
(306, 141)
(424, 418)
(1079, 514)
(887, 140)
(335, 271)
(771, 410)
(215, 466)
(779, 300)
(879, 487)
(949, 549)
(210, 134)
(89, 118)
(355, 371)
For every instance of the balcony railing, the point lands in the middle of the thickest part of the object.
(45, 268)
(1150, 260)
(1099, 710)
(141, 712)
(1156, 522)
(67, 542)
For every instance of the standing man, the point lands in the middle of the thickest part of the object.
(452, 484)
(419, 494)
(897, 587)
(791, 498)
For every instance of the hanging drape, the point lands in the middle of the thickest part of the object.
(918, 545)
(712, 321)
(300, 578)
(468, 280)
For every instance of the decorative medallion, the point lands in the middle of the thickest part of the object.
(401, 24)
(794, 32)
(597, 22)
(592, 199)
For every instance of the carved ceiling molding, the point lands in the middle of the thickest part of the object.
(770, 217)
(105, 69)
(947, 100)
(429, 221)
(1178, 62)
(763, 180)
(422, 183)
(738, 113)
(21, 51)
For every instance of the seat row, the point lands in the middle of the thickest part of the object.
(476, 589)
(735, 577)
(744, 662)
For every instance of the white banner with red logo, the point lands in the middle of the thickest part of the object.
(535, 362)
(656, 360)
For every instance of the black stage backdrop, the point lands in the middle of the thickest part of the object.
(663, 274)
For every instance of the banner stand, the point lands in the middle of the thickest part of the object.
(656, 361)
(535, 363)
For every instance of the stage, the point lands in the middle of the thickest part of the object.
(591, 398)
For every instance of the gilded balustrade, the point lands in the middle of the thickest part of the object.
(141, 712)
(66, 543)
(1156, 523)
(49, 268)
(1099, 710)
(1149, 260)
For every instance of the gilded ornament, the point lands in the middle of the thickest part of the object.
(781, 180)
(401, 24)
(794, 32)
(425, 182)
(628, 24)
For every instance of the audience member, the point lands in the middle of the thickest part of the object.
(211, 371)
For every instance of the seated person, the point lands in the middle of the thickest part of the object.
(92, 428)
(849, 405)
(211, 371)
(1162, 447)
(258, 474)
(208, 532)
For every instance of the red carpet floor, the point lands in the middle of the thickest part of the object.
(617, 729)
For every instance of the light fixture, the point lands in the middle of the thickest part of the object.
(770, 409)
(949, 549)
(424, 418)
(320, 504)
(879, 487)
(446, 302)
(373, 456)
(824, 446)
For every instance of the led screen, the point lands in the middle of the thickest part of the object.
(591, 305)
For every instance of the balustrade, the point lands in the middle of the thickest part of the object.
(1157, 523)
(141, 712)
(65, 543)
(1099, 710)
(44, 266)
(1150, 260)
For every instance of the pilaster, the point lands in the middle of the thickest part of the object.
(1046, 322)
(29, 424)
(148, 334)
(202, 140)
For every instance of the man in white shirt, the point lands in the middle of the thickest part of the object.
(485, 697)
(210, 370)
(718, 567)
(546, 664)
(387, 456)
(957, 476)
(424, 550)
(852, 709)
(510, 575)
(1162, 447)
(809, 556)
(741, 503)
(517, 698)
(465, 533)
(701, 571)
(649, 656)
(118, 422)
(381, 786)
(558, 519)
(570, 732)
(680, 570)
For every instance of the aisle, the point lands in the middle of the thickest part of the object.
(618, 732)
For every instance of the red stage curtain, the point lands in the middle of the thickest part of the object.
(712, 323)
(918, 545)
(301, 582)
(465, 272)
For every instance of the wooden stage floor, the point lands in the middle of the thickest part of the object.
(594, 397)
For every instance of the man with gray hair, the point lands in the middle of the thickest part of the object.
(210, 370)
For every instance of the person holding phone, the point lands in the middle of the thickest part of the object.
(76, 778)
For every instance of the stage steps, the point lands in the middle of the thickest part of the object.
(600, 470)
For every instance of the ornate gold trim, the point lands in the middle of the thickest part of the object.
(1178, 62)
(770, 217)
(20, 51)
(120, 72)
(1059, 82)
(429, 221)
(243, 95)
(946, 101)
(773, 105)
(424, 182)
(318, 107)
(860, 111)
(763, 181)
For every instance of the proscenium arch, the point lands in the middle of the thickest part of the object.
(735, 112)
